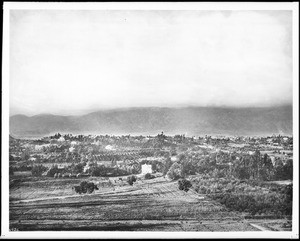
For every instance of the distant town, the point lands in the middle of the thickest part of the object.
(125, 154)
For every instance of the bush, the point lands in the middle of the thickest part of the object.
(131, 180)
(85, 187)
(184, 185)
(149, 176)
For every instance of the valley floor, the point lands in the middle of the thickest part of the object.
(148, 205)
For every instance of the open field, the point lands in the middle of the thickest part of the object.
(148, 205)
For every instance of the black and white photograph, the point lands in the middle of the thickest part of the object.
(150, 120)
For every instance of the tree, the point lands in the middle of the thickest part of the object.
(78, 168)
(175, 171)
(288, 170)
(154, 166)
(25, 155)
(184, 185)
(167, 165)
(267, 161)
(54, 169)
(266, 171)
(182, 157)
(188, 167)
(255, 161)
(279, 171)
(131, 180)
(86, 187)
(242, 172)
(98, 170)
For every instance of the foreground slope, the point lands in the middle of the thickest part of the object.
(148, 205)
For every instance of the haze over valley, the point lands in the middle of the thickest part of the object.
(150, 121)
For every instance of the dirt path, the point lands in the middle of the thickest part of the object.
(260, 227)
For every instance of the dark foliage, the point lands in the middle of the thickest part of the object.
(37, 170)
(149, 176)
(131, 180)
(184, 185)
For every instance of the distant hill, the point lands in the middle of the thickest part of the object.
(151, 121)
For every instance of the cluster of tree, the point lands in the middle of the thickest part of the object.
(77, 168)
(54, 169)
(17, 158)
(38, 170)
(21, 168)
(56, 136)
(261, 168)
(101, 170)
(220, 165)
(283, 171)
(258, 203)
(252, 196)
(187, 165)
(179, 138)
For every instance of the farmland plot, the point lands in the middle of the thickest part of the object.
(149, 205)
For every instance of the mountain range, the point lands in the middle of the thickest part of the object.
(153, 120)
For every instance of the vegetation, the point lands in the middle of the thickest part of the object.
(184, 185)
(175, 171)
(251, 197)
(131, 180)
(149, 176)
(85, 187)
(37, 170)
(236, 172)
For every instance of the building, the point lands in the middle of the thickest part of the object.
(146, 169)
(71, 149)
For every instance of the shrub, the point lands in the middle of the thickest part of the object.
(85, 187)
(131, 180)
(149, 176)
(184, 184)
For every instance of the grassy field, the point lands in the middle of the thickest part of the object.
(149, 205)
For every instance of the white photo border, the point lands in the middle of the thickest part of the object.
(293, 6)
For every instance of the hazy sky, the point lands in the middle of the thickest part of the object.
(69, 62)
